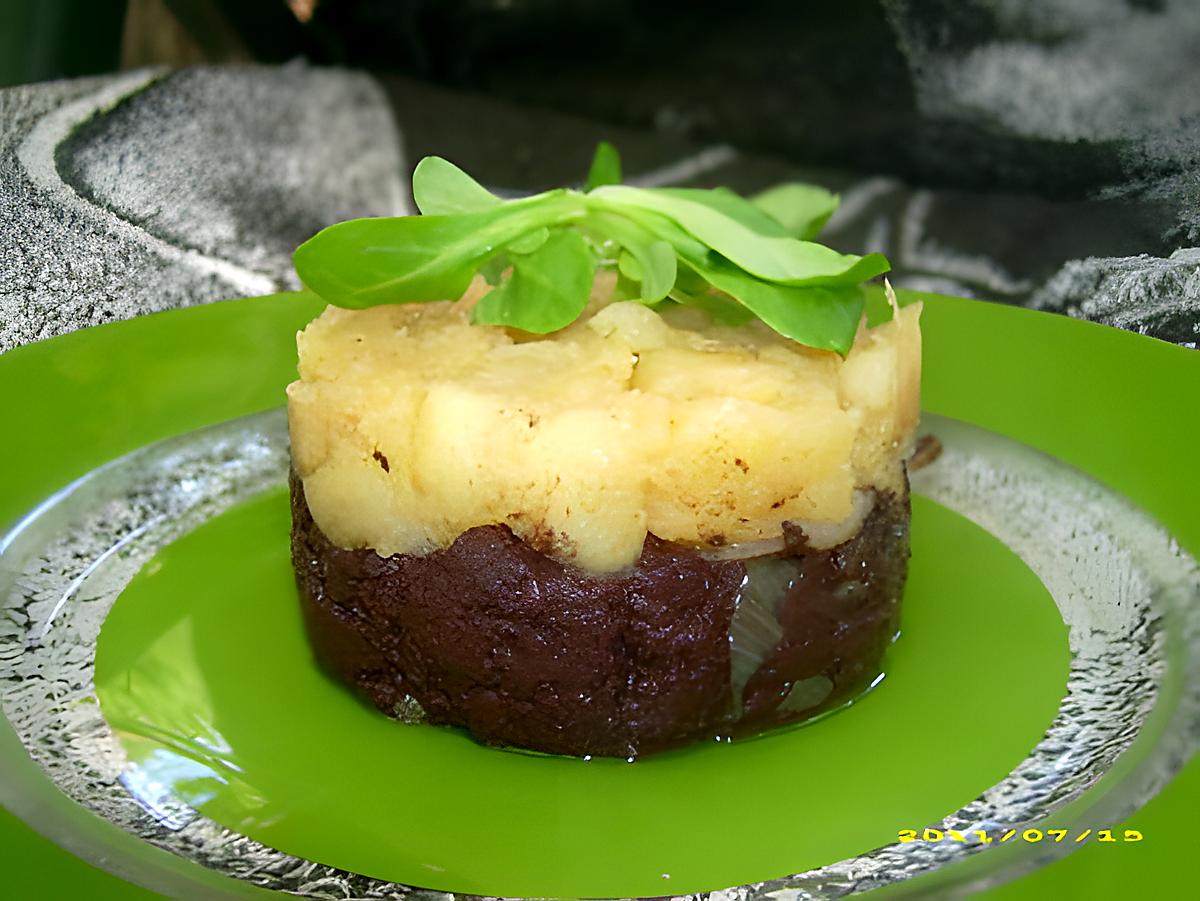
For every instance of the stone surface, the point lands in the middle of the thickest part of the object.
(1145, 294)
(147, 190)
(1113, 75)
(242, 163)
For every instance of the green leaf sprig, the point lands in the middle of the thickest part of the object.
(735, 258)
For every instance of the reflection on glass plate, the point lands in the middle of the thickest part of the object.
(204, 657)
(1127, 593)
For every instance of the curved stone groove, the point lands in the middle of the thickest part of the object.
(240, 165)
(38, 155)
(144, 191)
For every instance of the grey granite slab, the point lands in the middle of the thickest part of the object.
(151, 190)
(242, 163)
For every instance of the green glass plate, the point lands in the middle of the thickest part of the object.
(300, 766)
(207, 641)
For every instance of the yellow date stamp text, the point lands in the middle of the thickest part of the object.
(1030, 836)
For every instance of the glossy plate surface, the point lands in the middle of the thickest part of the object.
(205, 674)
(708, 817)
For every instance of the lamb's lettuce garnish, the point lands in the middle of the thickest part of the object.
(735, 258)
(801, 209)
(440, 188)
(605, 168)
(547, 289)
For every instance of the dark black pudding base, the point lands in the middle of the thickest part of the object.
(522, 650)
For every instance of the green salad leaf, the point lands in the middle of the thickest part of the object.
(734, 258)
(822, 317)
(547, 290)
(440, 188)
(735, 206)
(720, 309)
(605, 168)
(406, 259)
(802, 210)
(646, 258)
(775, 258)
(530, 242)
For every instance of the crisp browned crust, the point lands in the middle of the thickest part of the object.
(526, 651)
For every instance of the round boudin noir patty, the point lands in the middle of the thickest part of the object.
(523, 650)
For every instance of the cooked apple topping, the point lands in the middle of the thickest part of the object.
(410, 425)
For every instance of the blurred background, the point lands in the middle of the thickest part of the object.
(1040, 153)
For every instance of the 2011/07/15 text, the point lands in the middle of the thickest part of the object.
(1032, 836)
